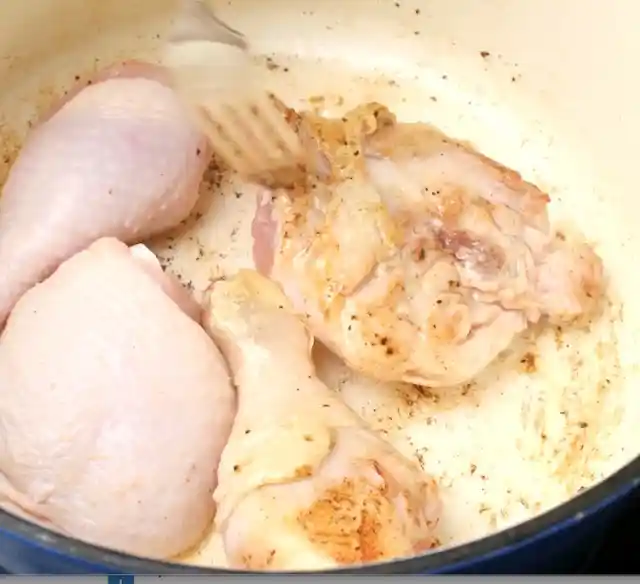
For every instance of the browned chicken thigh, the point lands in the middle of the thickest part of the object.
(411, 255)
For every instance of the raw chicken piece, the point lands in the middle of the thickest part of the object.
(414, 257)
(118, 158)
(115, 405)
(303, 483)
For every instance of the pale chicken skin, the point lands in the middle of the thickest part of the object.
(115, 405)
(304, 484)
(119, 157)
(412, 256)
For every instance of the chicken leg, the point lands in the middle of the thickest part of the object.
(412, 256)
(115, 405)
(119, 158)
(303, 483)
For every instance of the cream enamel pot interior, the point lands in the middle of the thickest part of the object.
(527, 459)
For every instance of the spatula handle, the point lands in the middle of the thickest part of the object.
(197, 22)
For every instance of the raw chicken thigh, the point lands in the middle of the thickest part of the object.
(115, 405)
(412, 256)
(118, 158)
(303, 483)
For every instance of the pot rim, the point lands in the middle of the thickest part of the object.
(451, 559)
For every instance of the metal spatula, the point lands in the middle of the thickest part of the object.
(213, 72)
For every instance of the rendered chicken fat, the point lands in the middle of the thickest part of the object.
(117, 158)
(115, 405)
(304, 484)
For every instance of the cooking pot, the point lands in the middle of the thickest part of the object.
(532, 463)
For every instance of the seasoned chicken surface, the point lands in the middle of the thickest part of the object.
(303, 483)
(117, 158)
(412, 256)
(115, 405)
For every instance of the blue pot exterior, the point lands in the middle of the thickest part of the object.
(562, 549)
(555, 542)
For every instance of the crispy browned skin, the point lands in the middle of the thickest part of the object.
(413, 256)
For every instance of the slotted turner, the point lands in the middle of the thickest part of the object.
(213, 72)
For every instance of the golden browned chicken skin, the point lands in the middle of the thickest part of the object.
(412, 256)
(304, 484)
